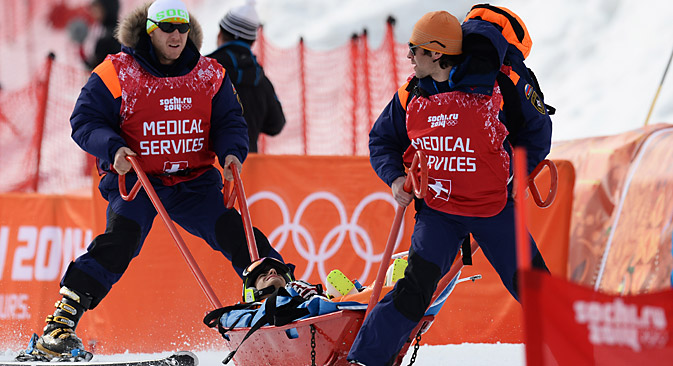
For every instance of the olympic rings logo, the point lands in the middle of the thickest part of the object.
(316, 254)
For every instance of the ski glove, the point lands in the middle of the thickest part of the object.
(305, 289)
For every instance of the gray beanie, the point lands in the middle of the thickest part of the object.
(242, 21)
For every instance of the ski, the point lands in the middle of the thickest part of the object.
(181, 358)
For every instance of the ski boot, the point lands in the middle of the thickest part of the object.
(337, 285)
(59, 340)
(395, 271)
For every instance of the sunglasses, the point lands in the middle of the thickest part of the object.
(170, 27)
(412, 47)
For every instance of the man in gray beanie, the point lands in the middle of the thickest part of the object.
(261, 108)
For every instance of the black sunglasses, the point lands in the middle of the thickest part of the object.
(412, 47)
(170, 27)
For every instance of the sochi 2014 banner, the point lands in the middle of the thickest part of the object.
(569, 324)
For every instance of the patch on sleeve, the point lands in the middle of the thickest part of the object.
(528, 89)
(537, 103)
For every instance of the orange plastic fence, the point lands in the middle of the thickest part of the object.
(321, 213)
(620, 235)
(330, 98)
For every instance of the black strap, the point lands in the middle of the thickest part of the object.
(414, 91)
(412, 88)
(466, 248)
(514, 120)
(212, 319)
(274, 315)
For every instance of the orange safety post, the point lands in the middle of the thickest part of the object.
(531, 339)
(193, 266)
(354, 94)
(41, 118)
(261, 42)
(368, 88)
(390, 41)
(417, 179)
(302, 92)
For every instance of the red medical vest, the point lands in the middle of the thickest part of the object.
(166, 121)
(468, 168)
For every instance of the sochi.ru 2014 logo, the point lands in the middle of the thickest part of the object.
(619, 324)
(443, 120)
(176, 104)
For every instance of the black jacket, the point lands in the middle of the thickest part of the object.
(261, 108)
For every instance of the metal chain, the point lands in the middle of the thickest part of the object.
(313, 345)
(416, 347)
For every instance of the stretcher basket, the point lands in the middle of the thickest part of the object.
(326, 339)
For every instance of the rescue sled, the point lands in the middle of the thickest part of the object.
(324, 339)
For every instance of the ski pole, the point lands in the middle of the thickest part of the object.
(151, 193)
(656, 95)
(229, 199)
(417, 179)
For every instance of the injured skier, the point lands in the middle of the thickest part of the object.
(266, 275)
(269, 277)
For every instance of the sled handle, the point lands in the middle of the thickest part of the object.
(418, 180)
(553, 187)
(134, 191)
(230, 196)
(186, 254)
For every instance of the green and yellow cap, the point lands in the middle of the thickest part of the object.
(170, 11)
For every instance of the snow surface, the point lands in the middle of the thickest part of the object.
(462, 354)
(599, 62)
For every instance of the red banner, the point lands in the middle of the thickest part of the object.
(569, 324)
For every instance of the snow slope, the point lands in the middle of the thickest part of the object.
(599, 62)
(464, 354)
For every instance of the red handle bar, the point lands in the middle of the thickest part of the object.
(553, 186)
(418, 180)
(193, 266)
(230, 198)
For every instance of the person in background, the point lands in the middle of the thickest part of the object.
(176, 111)
(453, 114)
(261, 108)
(105, 14)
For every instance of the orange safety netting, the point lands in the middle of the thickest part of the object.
(330, 98)
(35, 146)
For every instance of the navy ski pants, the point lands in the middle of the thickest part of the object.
(196, 205)
(434, 245)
